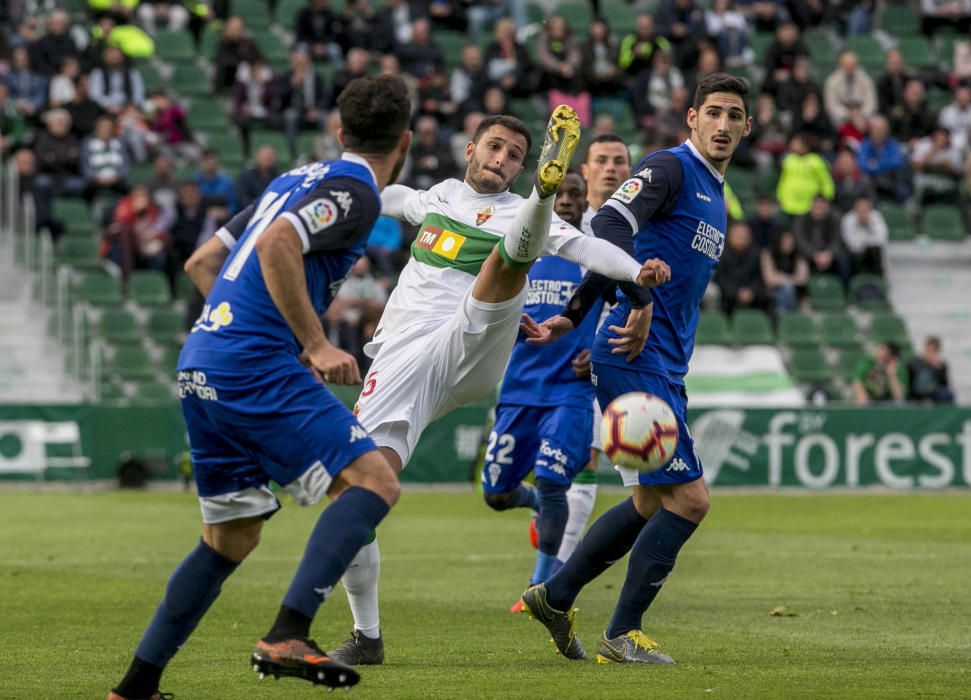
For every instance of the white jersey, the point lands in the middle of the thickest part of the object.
(459, 227)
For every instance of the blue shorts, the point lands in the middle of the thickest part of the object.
(248, 428)
(685, 466)
(553, 441)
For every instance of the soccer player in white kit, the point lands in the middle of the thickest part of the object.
(450, 324)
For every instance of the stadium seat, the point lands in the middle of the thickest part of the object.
(888, 328)
(189, 81)
(760, 43)
(110, 391)
(81, 253)
(577, 15)
(255, 12)
(900, 19)
(75, 215)
(185, 289)
(847, 363)
(826, 293)
(165, 326)
(154, 392)
(839, 331)
(287, 11)
(798, 330)
(535, 13)
(170, 359)
(943, 222)
(152, 79)
(869, 292)
(752, 327)
(131, 364)
(206, 114)
(899, 222)
(869, 52)
(175, 46)
(713, 329)
(917, 52)
(119, 327)
(275, 139)
(100, 290)
(808, 365)
(149, 288)
(271, 47)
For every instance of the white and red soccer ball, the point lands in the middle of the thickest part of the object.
(639, 431)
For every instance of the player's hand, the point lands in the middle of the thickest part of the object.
(633, 336)
(549, 331)
(654, 272)
(332, 364)
(581, 364)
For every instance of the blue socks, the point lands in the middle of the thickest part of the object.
(192, 588)
(651, 560)
(342, 529)
(607, 540)
(553, 514)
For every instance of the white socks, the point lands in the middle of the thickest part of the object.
(581, 499)
(361, 585)
(526, 237)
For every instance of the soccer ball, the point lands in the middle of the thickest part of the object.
(639, 431)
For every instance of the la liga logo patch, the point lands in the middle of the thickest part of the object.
(629, 190)
(319, 215)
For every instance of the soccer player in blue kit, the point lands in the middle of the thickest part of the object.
(673, 209)
(255, 408)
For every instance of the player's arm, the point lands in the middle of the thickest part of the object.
(207, 260)
(404, 203)
(335, 216)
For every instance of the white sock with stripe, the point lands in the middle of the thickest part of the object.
(361, 585)
(526, 237)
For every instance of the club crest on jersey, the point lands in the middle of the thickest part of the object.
(319, 215)
(212, 319)
(442, 241)
(484, 215)
(628, 191)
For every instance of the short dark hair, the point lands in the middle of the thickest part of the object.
(720, 82)
(606, 138)
(375, 111)
(893, 348)
(514, 124)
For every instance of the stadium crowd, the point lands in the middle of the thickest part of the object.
(165, 118)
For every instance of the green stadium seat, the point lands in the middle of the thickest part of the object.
(535, 13)
(189, 81)
(255, 12)
(165, 326)
(752, 327)
(798, 330)
(942, 222)
(75, 215)
(131, 364)
(81, 253)
(622, 17)
(154, 392)
(869, 52)
(917, 52)
(760, 43)
(110, 391)
(275, 139)
(119, 327)
(100, 290)
(900, 19)
(149, 288)
(713, 329)
(826, 293)
(185, 289)
(839, 330)
(847, 363)
(863, 285)
(451, 44)
(271, 47)
(287, 11)
(808, 365)
(170, 359)
(577, 15)
(899, 223)
(175, 46)
(888, 328)
(819, 44)
(208, 115)
(226, 143)
(151, 77)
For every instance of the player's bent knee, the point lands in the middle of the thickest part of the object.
(234, 539)
(370, 471)
(497, 501)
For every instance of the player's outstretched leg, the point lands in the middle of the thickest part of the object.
(364, 647)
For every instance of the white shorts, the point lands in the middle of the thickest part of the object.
(597, 417)
(423, 373)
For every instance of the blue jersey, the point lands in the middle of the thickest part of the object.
(542, 375)
(675, 205)
(332, 206)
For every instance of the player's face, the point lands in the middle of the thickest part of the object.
(571, 200)
(606, 168)
(718, 127)
(496, 160)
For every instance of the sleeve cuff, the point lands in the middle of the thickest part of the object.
(226, 237)
(625, 212)
(299, 228)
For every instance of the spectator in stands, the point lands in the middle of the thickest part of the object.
(560, 69)
(252, 94)
(764, 224)
(59, 156)
(138, 236)
(765, 15)
(104, 161)
(396, 19)
(914, 118)
(83, 110)
(506, 60)
(301, 98)
(890, 87)
(927, 376)
(114, 84)
(170, 125)
(11, 122)
(25, 165)
(468, 80)
(449, 14)
(803, 177)
(789, 95)
(809, 14)
(956, 117)
(940, 14)
(62, 87)
(384, 247)
(728, 27)
(327, 146)
(637, 49)
(216, 186)
(855, 17)
(28, 88)
(461, 139)
(665, 77)
(881, 159)
(357, 65)
(669, 122)
(357, 27)
(865, 236)
(936, 164)
(49, 52)
(819, 240)
(739, 275)
(152, 13)
(683, 23)
(252, 181)
(781, 57)
(233, 49)
(850, 182)
(190, 218)
(318, 30)
(708, 62)
(767, 140)
(421, 56)
(489, 13)
(599, 62)
(434, 98)
(431, 160)
(852, 132)
(848, 84)
(878, 378)
(785, 272)
(163, 185)
(812, 121)
(352, 317)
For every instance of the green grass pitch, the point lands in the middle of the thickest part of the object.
(875, 587)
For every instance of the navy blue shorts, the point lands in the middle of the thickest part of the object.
(685, 466)
(553, 441)
(246, 429)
